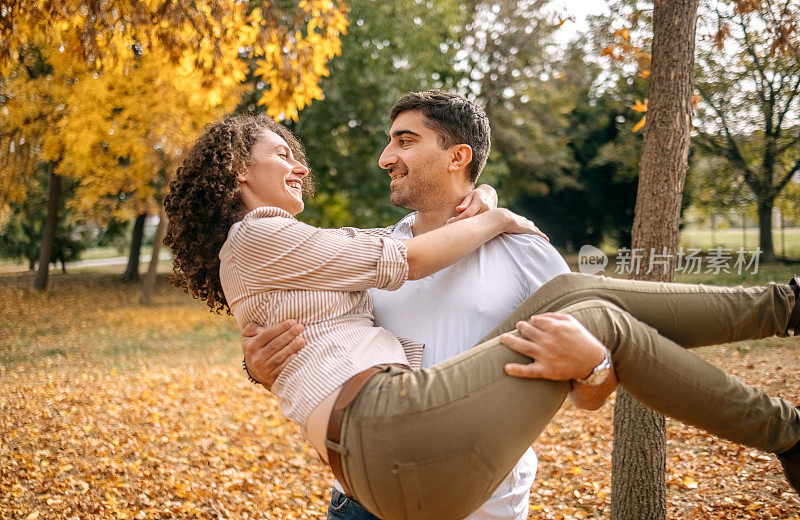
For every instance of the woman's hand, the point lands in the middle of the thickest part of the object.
(481, 199)
(519, 224)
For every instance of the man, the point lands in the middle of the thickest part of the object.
(439, 143)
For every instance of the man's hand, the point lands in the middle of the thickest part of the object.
(481, 199)
(562, 349)
(268, 350)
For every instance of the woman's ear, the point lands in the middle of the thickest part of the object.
(241, 178)
(460, 157)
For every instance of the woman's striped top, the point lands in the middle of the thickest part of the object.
(274, 267)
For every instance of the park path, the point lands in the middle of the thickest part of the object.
(97, 262)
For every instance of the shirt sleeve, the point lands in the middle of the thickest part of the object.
(543, 262)
(284, 253)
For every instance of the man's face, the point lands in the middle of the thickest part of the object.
(416, 163)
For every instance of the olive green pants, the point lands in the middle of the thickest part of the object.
(435, 443)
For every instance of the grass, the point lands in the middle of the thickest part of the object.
(733, 239)
(92, 317)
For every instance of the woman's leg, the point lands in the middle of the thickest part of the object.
(690, 315)
(435, 443)
(671, 380)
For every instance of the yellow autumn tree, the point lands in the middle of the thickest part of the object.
(108, 91)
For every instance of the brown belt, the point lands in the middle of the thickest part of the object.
(350, 390)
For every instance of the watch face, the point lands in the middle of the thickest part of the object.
(600, 372)
(599, 376)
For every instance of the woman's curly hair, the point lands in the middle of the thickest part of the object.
(204, 201)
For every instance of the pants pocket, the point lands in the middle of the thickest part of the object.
(448, 486)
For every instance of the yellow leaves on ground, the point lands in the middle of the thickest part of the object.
(111, 410)
(117, 411)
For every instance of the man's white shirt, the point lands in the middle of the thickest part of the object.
(452, 310)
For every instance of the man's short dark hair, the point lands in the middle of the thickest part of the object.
(456, 119)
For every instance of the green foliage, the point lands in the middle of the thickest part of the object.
(390, 48)
(21, 235)
(571, 158)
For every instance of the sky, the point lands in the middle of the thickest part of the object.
(579, 9)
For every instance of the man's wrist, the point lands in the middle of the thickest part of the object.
(600, 372)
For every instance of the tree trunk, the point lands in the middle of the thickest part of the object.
(638, 461)
(49, 235)
(152, 272)
(639, 457)
(132, 271)
(765, 230)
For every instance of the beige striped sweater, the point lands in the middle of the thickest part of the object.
(274, 267)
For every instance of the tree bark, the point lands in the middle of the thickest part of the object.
(49, 235)
(152, 272)
(131, 273)
(639, 457)
(765, 242)
(638, 461)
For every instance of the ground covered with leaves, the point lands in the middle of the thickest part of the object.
(113, 410)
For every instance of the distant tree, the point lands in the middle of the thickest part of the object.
(131, 273)
(714, 190)
(748, 74)
(74, 77)
(516, 72)
(21, 235)
(597, 204)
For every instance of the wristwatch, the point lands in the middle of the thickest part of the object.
(600, 372)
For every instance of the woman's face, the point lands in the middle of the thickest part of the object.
(275, 177)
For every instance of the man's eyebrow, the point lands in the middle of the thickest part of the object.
(398, 133)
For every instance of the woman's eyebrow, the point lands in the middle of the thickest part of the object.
(283, 147)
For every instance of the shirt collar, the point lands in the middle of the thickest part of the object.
(267, 211)
(402, 230)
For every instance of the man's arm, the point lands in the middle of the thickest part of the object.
(562, 350)
(268, 350)
(593, 397)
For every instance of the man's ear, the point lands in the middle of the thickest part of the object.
(460, 157)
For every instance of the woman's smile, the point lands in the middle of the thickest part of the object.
(275, 177)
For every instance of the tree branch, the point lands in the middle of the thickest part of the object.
(733, 153)
(786, 178)
(792, 94)
(788, 145)
(759, 67)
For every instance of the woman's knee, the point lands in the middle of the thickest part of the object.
(600, 317)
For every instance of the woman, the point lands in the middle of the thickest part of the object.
(396, 438)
